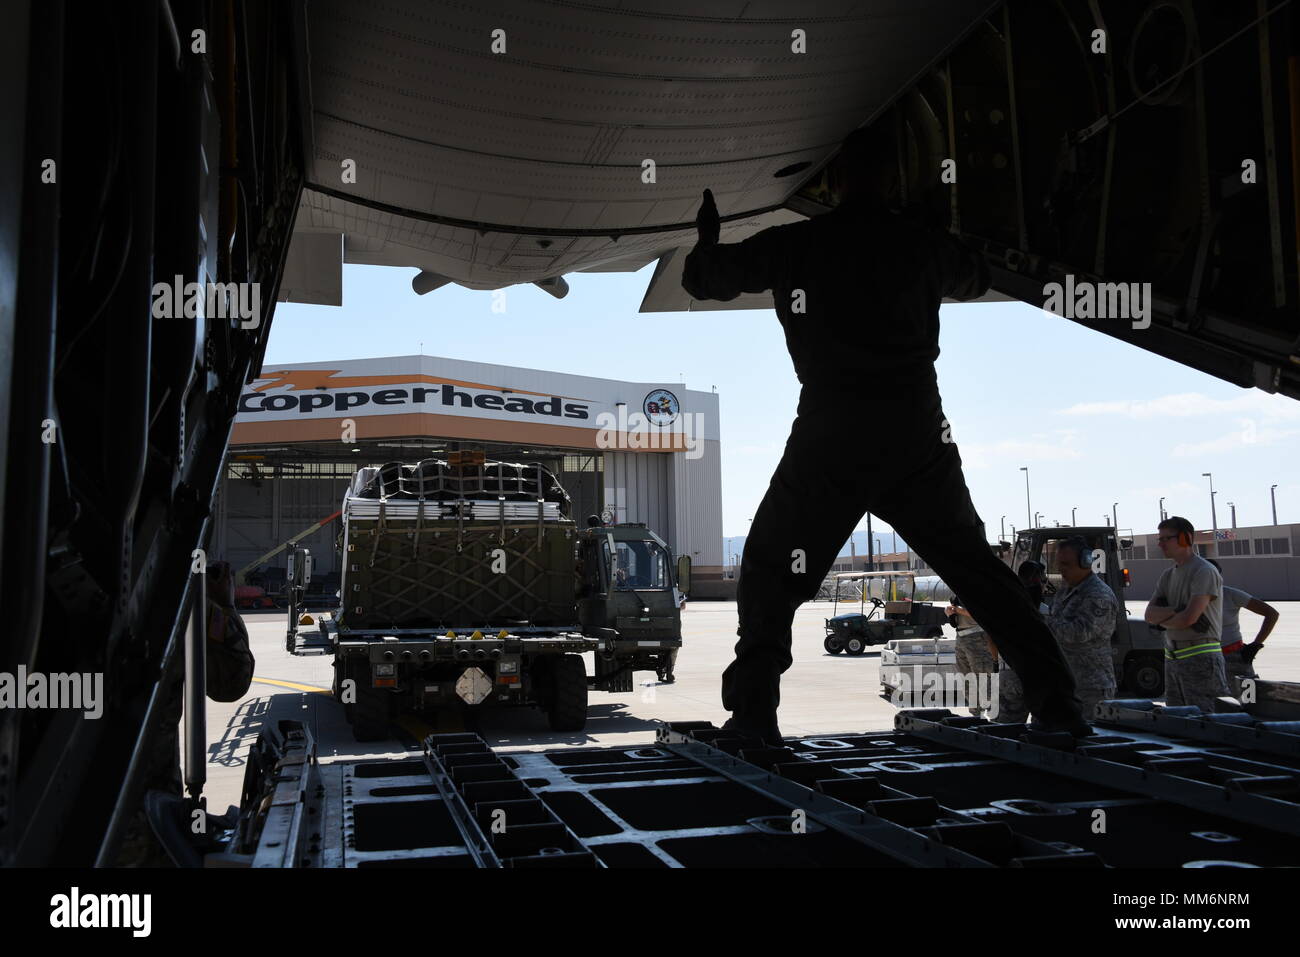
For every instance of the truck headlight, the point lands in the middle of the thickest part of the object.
(385, 671)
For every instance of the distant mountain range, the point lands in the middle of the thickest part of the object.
(889, 542)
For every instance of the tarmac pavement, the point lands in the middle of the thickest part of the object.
(821, 693)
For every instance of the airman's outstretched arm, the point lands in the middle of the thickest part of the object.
(723, 272)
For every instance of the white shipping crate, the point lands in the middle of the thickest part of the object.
(917, 673)
(923, 646)
(922, 673)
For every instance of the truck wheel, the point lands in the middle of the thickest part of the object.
(568, 708)
(541, 682)
(833, 644)
(855, 645)
(1144, 676)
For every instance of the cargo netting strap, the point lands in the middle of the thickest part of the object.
(445, 585)
(541, 504)
(378, 532)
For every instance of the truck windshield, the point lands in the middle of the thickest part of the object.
(638, 566)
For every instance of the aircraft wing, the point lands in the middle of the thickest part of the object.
(1092, 145)
(580, 136)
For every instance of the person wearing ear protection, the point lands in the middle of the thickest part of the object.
(1188, 604)
(1082, 619)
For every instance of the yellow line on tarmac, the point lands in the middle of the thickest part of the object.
(292, 685)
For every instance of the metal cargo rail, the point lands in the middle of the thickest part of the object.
(938, 790)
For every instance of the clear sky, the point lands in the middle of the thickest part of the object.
(1097, 421)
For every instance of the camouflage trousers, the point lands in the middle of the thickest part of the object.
(975, 658)
(667, 665)
(1094, 678)
(1011, 696)
(1196, 680)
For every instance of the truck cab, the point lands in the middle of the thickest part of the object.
(630, 592)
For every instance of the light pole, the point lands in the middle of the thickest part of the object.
(1003, 527)
(1013, 533)
(1273, 498)
(1114, 515)
(1233, 506)
(1072, 511)
(1036, 514)
(1163, 516)
(1028, 513)
(1214, 515)
(871, 556)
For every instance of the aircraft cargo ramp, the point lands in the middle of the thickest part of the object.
(1154, 787)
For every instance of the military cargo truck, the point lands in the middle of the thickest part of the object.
(467, 582)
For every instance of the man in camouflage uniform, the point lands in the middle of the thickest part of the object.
(1187, 603)
(975, 656)
(1082, 619)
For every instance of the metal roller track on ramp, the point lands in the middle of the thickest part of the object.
(938, 790)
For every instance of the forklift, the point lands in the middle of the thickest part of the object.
(853, 632)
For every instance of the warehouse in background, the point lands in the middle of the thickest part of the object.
(628, 451)
(1262, 559)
